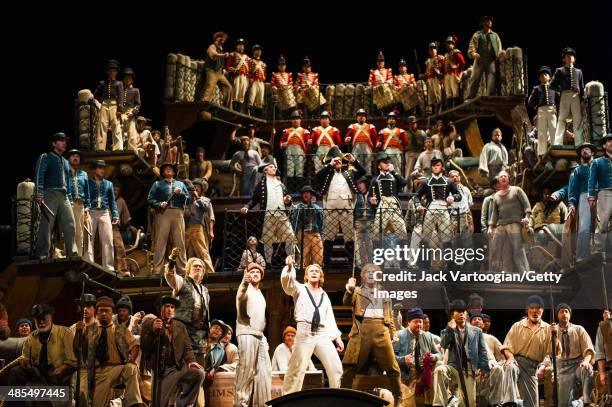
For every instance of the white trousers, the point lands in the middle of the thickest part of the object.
(547, 126)
(569, 105)
(254, 372)
(307, 343)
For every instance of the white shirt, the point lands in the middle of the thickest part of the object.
(339, 188)
(274, 194)
(280, 359)
(466, 201)
(304, 309)
(254, 304)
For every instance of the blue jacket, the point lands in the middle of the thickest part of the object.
(296, 217)
(363, 209)
(563, 192)
(561, 80)
(475, 344)
(578, 183)
(161, 190)
(52, 172)
(80, 187)
(600, 175)
(406, 347)
(102, 196)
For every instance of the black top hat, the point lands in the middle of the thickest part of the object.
(544, 69)
(382, 156)
(220, 323)
(257, 46)
(128, 71)
(40, 310)
(112, 64)
(241, 41)
(168, 164)
(457, 305)
(282, 60)
(411, 119)
(568, 51)
(74, 151)
(325, 113)
(295, 115)
(436, 160)
(361, 111)
(58, 136)
(98, 164)
(87, 299)
(402, 62)
(585, 145)
(167, 299)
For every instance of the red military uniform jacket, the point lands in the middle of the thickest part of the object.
(392, 138)
(281, 79)
(365, 133)
(454, 62)
(238, 64)
(257, 70)
(403, 80)
(329, 136)
(305, 80)
(297, 136)
(380, 76)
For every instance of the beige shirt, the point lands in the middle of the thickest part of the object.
(424, 160)
(304, 309)
(280, 359)
(579, 340)
(231, 353)
(114, 358)
(494, 347)
(124, 212)
(533, 344)
(375, 308)
(251, 311)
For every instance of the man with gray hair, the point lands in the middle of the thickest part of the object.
(526, 346)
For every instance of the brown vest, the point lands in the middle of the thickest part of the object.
(606, 331)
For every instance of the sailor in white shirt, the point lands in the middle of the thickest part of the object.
(254, 371)
(316, 327)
